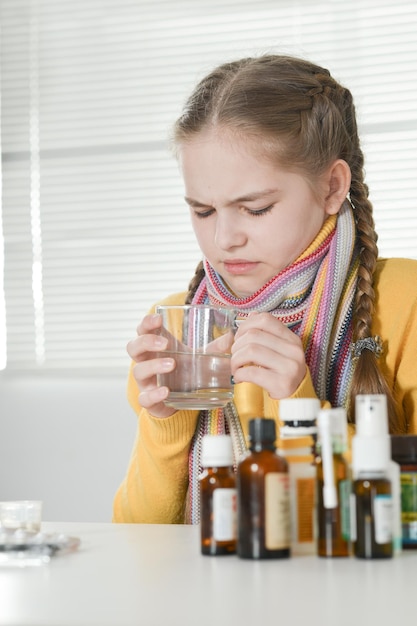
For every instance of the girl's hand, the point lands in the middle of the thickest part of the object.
(269, 354)
(143, 350)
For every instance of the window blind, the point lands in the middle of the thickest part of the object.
(94, 227)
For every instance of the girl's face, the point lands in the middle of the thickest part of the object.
(251, 217)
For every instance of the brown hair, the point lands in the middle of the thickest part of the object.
(298, 115)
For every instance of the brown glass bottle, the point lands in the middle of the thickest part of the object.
(372, 518)
(372, 527)
(263, 496)
(218, 497)
(404, 452)
(333, 524)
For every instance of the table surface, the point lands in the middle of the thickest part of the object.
(155, 575)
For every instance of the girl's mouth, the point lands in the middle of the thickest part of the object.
(239, 266)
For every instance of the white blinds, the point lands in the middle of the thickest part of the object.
(94, 226)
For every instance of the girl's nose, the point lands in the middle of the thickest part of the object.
(229, 231)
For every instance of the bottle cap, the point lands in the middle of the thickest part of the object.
(404, 448)
(216, 451)
(371, 415)
(298, 409)
(298, 416)
(371, 446)
(262, 429)
(370, 455)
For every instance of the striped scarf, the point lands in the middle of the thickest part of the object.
(314, 297)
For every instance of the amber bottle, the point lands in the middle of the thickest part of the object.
(404, 452)
(263, 496)
(218, 496)
(371, 502)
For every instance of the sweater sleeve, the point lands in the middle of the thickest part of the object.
(156, 482)
(154, 488)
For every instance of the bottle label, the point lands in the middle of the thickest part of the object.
(345, 488)
(353, 523)
(277, 511)
(408, 497)
(305, 488)
(224, 514)
(383, 514)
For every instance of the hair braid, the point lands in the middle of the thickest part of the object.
(367, 376)
(194, 282)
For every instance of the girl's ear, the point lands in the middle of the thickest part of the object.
(337, 184)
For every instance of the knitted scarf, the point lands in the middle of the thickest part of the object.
(314, 297)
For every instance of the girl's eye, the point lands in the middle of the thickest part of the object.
(267, 209)
(203, 214)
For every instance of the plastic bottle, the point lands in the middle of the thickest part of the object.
(263, 496)
(404, 452)
(218, 496)
(299, 421)
(371, 501)
(333, 484)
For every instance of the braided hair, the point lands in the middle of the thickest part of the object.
(298, 115)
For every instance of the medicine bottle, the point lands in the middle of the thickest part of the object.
(333, 484)
(218, 496)
(297, 451)
(263, 496)
(298, 419)
(404, 452)
(371, 501)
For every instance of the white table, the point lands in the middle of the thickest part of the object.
(154, 575)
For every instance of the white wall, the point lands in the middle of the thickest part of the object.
(66, 442)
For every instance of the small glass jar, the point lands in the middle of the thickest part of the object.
(404, 452)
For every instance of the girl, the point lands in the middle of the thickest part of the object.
(273, 170)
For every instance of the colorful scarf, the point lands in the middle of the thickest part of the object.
(314, 297)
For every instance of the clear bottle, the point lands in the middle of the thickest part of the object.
(298, 420)
(371, 500)
(263, 496)
(218, 496)
(333, 484)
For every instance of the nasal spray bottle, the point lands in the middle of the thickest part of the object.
(373, 513)
(333, 484)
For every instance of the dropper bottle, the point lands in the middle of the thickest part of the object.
(333, 484)
(263, 496)
(371, 501)
(218, 496)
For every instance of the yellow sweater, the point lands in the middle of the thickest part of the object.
(156, 482)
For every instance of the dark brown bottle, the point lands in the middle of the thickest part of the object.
(218, 496)
(404, 452)
(263, 496)
(372, 529)
(373, 512)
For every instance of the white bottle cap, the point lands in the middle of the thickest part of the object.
(371, 446)
(298, 409)
(370, 455)
(371, 415)
(216, 451)
(298, 416)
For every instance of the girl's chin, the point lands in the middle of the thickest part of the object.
(241, 290)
